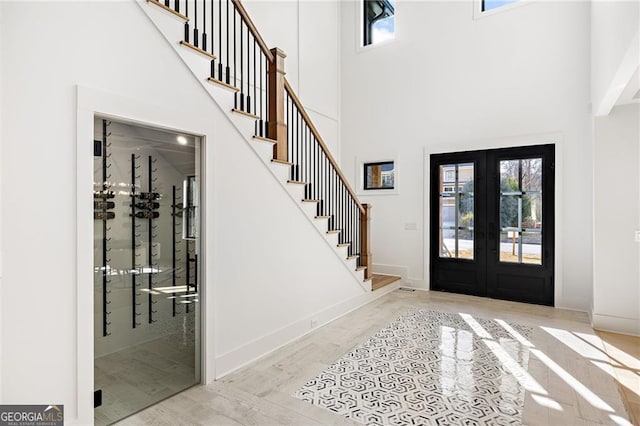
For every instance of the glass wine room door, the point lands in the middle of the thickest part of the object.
(146, 266)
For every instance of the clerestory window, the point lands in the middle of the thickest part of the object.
(488, 5)
(379, 21)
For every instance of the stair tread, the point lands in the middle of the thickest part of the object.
(344, 244)
(334, 231)
(244, 113)
(309, 200)
(323, 217)
(286, 163)
(352, 257)
(263, 139)
(198, 50)
(222, 84)
(168, 9)
(296, 182)
(361, 268)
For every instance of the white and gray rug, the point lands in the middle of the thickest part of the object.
(429, 368)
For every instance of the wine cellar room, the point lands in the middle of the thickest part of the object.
(146, 266)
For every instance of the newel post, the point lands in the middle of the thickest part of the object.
(277, 129)
(365, 240)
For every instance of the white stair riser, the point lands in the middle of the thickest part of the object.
(352, 263)
(360, 275)
(311, 209)
(264, 150)
(245, 124)
(322, 224)
(332, 238)
(282, 171)
(343, 252)
(367, 285)
(296, 190)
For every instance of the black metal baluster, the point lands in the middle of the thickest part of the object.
(213, 44)
(344, 227)
(220, 40)
(177, 6)
(186, 24)
(329, 201)
(248, 104)
(309, 159)
(204, 24)
(306, 161)
(241, 66)
(290, 144)
(297, 136)
(261, 89)
(195, 20)
(255, 84)
(312, 146)
(353, 237)
(334, 209)
(235, 69)
(339, 205)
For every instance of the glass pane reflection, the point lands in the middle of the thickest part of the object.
(456, 210)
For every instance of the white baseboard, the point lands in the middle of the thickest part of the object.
(258, 348)
(630, 326)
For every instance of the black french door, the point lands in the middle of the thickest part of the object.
(492, 223)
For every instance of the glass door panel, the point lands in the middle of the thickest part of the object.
(521, 211)
(456, 214)
(146, 267)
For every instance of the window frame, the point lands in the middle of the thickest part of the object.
(478, 13)
(359, 33)
(360, 176)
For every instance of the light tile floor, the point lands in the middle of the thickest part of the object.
(566, 359)
(624, 352)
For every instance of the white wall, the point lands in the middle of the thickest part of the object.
(616, 292)
(615, 50)
(307, 31)
(268, 272)
(448, 80)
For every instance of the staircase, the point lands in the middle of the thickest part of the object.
(220, 44)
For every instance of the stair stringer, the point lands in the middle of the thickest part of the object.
(171, 28)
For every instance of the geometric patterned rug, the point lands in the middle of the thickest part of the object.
(429, 368)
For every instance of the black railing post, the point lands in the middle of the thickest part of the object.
(195, 25)
(186, 24)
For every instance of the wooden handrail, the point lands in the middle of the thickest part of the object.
(243, 13)
(315, 132)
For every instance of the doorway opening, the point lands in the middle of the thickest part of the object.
(146, 266)
(492, 223)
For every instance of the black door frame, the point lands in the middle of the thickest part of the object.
(485, 275)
